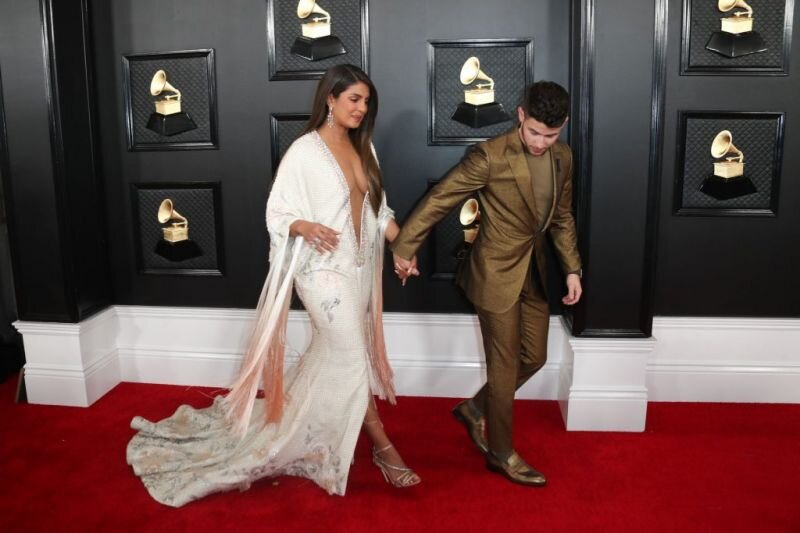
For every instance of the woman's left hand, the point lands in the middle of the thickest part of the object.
(323, 238)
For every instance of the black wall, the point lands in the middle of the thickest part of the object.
(11, 358)
(736, 266)
(30, 175)
(614, 77)
(641, 257)
(236, 30)
(8, 305)
(56, 228)
(621, 59)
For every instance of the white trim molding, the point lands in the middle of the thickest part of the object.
(70, 364)
(431, 354)
(602, 384)
(700, 359)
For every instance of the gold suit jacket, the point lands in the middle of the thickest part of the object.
(493, 274)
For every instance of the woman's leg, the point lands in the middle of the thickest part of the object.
(383, 449)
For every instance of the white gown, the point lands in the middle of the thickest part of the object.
(194, 452)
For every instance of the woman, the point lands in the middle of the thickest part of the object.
(327, 218)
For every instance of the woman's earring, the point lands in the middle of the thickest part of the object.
(330, 117)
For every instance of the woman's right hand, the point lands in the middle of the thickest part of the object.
(322, 238)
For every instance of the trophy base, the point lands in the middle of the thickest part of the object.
(168, 125)
(316, 49)
(461, 250)
(178, 251)
(736, 44)
(478, 116)
(727, 188)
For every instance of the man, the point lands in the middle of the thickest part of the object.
(524, 184)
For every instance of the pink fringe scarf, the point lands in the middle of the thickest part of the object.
(264, 356)
(382, 376)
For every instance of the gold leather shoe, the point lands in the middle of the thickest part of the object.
(475, 423)
(516, 470)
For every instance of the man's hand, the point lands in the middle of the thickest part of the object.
(404, 268)
(574, 290)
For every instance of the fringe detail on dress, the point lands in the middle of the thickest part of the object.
(263, 359)
(381, 373)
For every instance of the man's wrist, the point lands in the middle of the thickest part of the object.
(578, 273)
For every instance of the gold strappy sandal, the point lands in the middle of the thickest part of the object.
(407, 477)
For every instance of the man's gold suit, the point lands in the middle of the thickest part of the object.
(507, 289)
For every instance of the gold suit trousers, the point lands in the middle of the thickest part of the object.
(515, 343)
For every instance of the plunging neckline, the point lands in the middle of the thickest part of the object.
(357, 236)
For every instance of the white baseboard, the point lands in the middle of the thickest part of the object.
(70, 364)
(725, 360)
(431, 354)
(603, 385)
(688, 359)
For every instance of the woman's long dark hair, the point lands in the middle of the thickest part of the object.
(336, 80)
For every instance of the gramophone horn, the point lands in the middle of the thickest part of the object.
(727, 5)
(166, 212)
(469, 212)
(306, 7)
(470, 70)
(160, 84)
(722, 144)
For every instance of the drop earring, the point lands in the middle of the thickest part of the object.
(330, 117)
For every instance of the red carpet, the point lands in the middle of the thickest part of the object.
(698, 467)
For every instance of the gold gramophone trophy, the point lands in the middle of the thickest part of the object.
(168, 118)
(316, 42)
(478, 108)
(175, 244)
(736, 37)
(728, 180)
(469, 216)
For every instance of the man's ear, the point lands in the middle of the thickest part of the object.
(520, 114)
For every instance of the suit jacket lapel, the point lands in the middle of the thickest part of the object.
(555, 162)
(519, 167)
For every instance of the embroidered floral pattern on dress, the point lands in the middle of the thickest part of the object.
(328, 306)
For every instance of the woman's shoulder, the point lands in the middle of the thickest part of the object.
(307, 139)
(303, 146)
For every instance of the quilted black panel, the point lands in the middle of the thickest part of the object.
(189, 75)
(345, 24)
(506, 65)
(756, 137)
(768, 20)
(197, 205)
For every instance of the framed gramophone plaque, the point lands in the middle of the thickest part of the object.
(178, 228)
(284, 128)
(170, 101)
(736, 37)
(305, 37)
(474, 87)
(728, 163)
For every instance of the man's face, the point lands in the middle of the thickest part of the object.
(535, 135)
